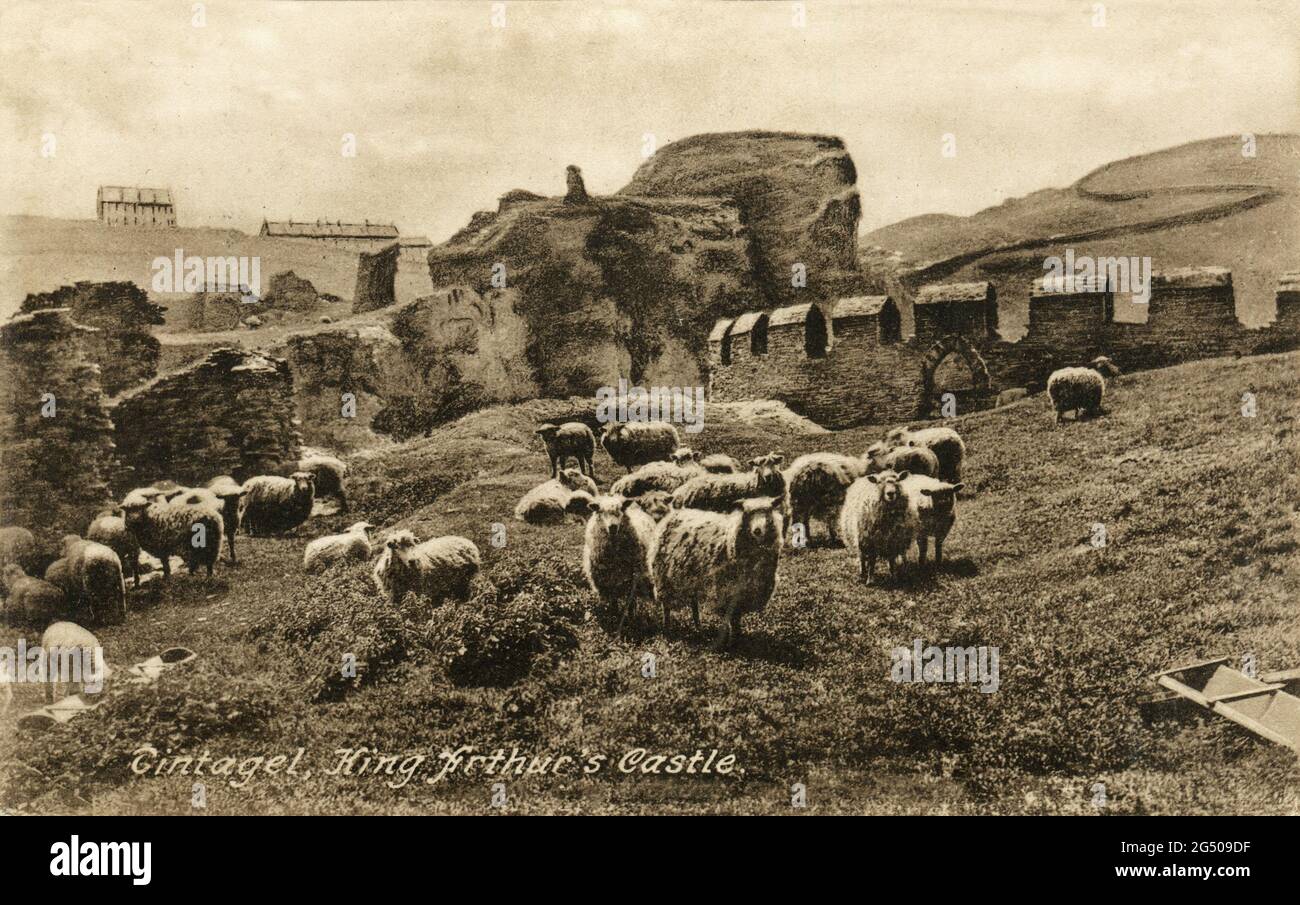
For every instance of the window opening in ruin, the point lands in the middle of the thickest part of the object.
(891, 326)
(816, 342)
(726, 344)
(758, 337)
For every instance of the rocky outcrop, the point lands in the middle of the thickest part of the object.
(213, 311)
(122, 315)
(376, 274)
(231, 413)
(796, 194)
(57, 459)
(289, 292)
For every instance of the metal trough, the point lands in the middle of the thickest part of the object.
(1263, 705)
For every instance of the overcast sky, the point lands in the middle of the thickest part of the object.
(244, 117)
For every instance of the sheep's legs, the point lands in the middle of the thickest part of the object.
(938, 550)
(695, 611)
(921, 543)
(628, 607)
(868, 568)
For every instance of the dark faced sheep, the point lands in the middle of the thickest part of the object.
(110, 529)
(438, 569)
(815, 487)
(571, 439)
(634, 443)
(944, 442)
(915, 459)
(329, 472)
(275, 505)
(721, 492)
(1079, 390)
(933, 505)
(189, 525)
(230, 492)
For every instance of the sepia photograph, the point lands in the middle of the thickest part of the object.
(640, 408)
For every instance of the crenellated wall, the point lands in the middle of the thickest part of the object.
(866, 374)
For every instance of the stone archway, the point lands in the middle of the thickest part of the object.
(953, 344)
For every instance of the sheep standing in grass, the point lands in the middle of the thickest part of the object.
(877, 521)
(110, 529)
(274, 505)
(1078, 390)
(189, 525)
(96, 579)
(230, 492)
(31, 601)
(615, 556)
(815, 487)
(69, 651)
(724, 562)
(329, 473)
(324, 552)
(571, 439)
(916, 459)
(18, 545)
(634, 443)
(933, 504)
(438, 569)
(944, 442)
(667, 476)
(721, 492)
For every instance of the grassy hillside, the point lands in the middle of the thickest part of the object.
(1201, 507)
(1202, 203)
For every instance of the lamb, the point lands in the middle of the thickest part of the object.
(933, 505)
(230, 492)
(916, 459)
(68, 650)
(329, 472)
(574, 480)
(324, 552)
(109, 528)
(815, 488)
(944, 442)
(634, 443)
(18, 545)
(1078, 390)
(572, 438)
(727, 562)
(95, 573)
(31, 601)
(720, 492)
(615, 557)
(667, 476)
(275, 505)
(876, 520)
(439, 569)
(189, 525)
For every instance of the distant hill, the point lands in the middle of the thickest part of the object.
(1198, 203)
(39, 254)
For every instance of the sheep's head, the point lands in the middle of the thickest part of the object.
(944, 496)
(897, 437)
(547, 432)
(684, 454)
(401, 543)
(303, 481)
(1104, 366)
(68, 541)
(877, 451)
(760, 521)
(608, 511)
(887, 483)
(361, 528)
(572, 478)
(656, 503)
(578, 504)
(12, 573)
(767, 465)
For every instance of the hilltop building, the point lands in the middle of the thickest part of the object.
(365, 236)
(121, 205)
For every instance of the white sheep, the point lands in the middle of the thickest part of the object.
(574, 480)
(815, 487)
(616, 551)
(230, 492)
(1078, 390)
(634, 443)
(96, 579)
(329, 472)
(545, 504)
(189, 525)
(933, 504)
(18, 545)
(31, 601)
(667, 476)
(324, 552)
(721, 492)
(70, 652)
(572, 439)
(916, 459)
(274, 505)
(109, 529)
(944, 442)
(726, 563)
(438, 569)
(877, 521)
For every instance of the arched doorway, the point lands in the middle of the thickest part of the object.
(953, 365)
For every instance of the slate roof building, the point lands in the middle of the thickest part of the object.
(122, 205)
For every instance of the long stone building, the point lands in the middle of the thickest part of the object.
(365, 236)
(121, 205)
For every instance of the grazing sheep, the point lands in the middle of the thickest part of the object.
(815, 488)
(727, 562)
(944, 442)
(720, 463)
(59, 574)
(667, 476)
(1015, 394)
(68, 650)
(721, 492)
(933, 505)
(1078, 390)
(189, 525)
(439, 569)
(574, 480)
(329, 472)
(615, 557)
(916, 459)
(18, 545)
(230, 492)
(876, 520)
(324, 552)
(634, 443)
(545, 504)
(656, 504)
(98, 587)
(31, 601)
(572, 438)
(274, 505)
(110, 529)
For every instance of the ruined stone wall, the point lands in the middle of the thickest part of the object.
(231, 413)
(376, 274)
(57, 458)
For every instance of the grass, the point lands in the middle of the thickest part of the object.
(1200, 506)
